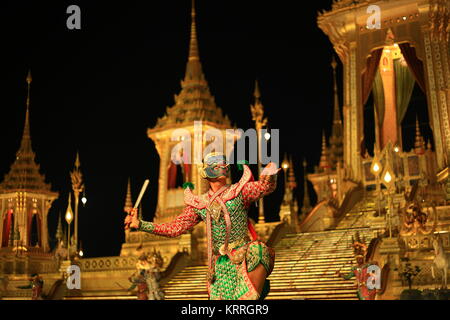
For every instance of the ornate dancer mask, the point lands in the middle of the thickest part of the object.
(214, 165)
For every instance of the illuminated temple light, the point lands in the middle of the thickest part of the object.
(387, 177)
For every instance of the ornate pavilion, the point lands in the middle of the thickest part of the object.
(393, 200)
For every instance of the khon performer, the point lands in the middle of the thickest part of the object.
(238, 263)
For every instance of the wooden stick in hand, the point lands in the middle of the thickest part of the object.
(138, 201)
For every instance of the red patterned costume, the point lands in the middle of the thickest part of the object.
(360, 271)
(232, 253)
(140, 282)
(361, 275)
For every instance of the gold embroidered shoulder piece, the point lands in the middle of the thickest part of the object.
(198, 202)
(234, 190)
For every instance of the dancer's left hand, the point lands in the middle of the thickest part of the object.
(270, 169)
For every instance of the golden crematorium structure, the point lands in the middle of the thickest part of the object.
(382, 213)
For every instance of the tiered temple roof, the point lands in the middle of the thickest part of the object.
(194, 102)
(24, 173)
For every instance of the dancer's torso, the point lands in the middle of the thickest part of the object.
(238, 219)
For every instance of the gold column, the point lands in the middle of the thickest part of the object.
(258, 116)
(44, 225)
(353, 110)
(162, 145)
(77, 187)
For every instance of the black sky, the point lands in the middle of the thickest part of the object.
(98, 89)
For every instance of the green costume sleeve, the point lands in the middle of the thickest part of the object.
(184, 222)
(146, 226)
(132, 287)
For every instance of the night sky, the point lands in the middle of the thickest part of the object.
(98, 89)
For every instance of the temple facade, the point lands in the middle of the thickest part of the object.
(375, 201)
(25, 199)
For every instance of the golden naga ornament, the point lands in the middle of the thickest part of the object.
(215, 210)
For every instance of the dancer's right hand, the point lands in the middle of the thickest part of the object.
(131, 220)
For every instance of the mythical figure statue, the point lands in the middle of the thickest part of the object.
(441, 260)
(147, 278)
(60, 253)
(139, 281)
(154, 275)
(361, 271)
(414, 220)
(36, 285)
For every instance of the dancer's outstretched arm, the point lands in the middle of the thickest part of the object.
(253, 191)
(184, 222)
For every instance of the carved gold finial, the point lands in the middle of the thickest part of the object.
(306, 206)
(193, 47)
(337, 115)
(291, 175)
(390, 37)
(333, 62)
(257, 109)
(128, 200)
(324, 160)
(26, 143)
(29, 78)
(77, 177)
(77, 161)
(257, 93)
(419, 144)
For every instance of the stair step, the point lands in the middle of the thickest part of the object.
(305, 267)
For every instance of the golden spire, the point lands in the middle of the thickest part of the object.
(337, 115)
(419, 144)
(306, 205)
(26, 142)
(336, 139)
(324, 160)
(77, 160)
(193, 45)
(257, 109)
(195, 101)
(291, 175)
(194, 67)
(24, 172)
(257, 93)
(128, 200)
(59, 230)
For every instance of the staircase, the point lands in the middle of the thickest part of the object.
(188, 284)
(307, 264)
(306, 267)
